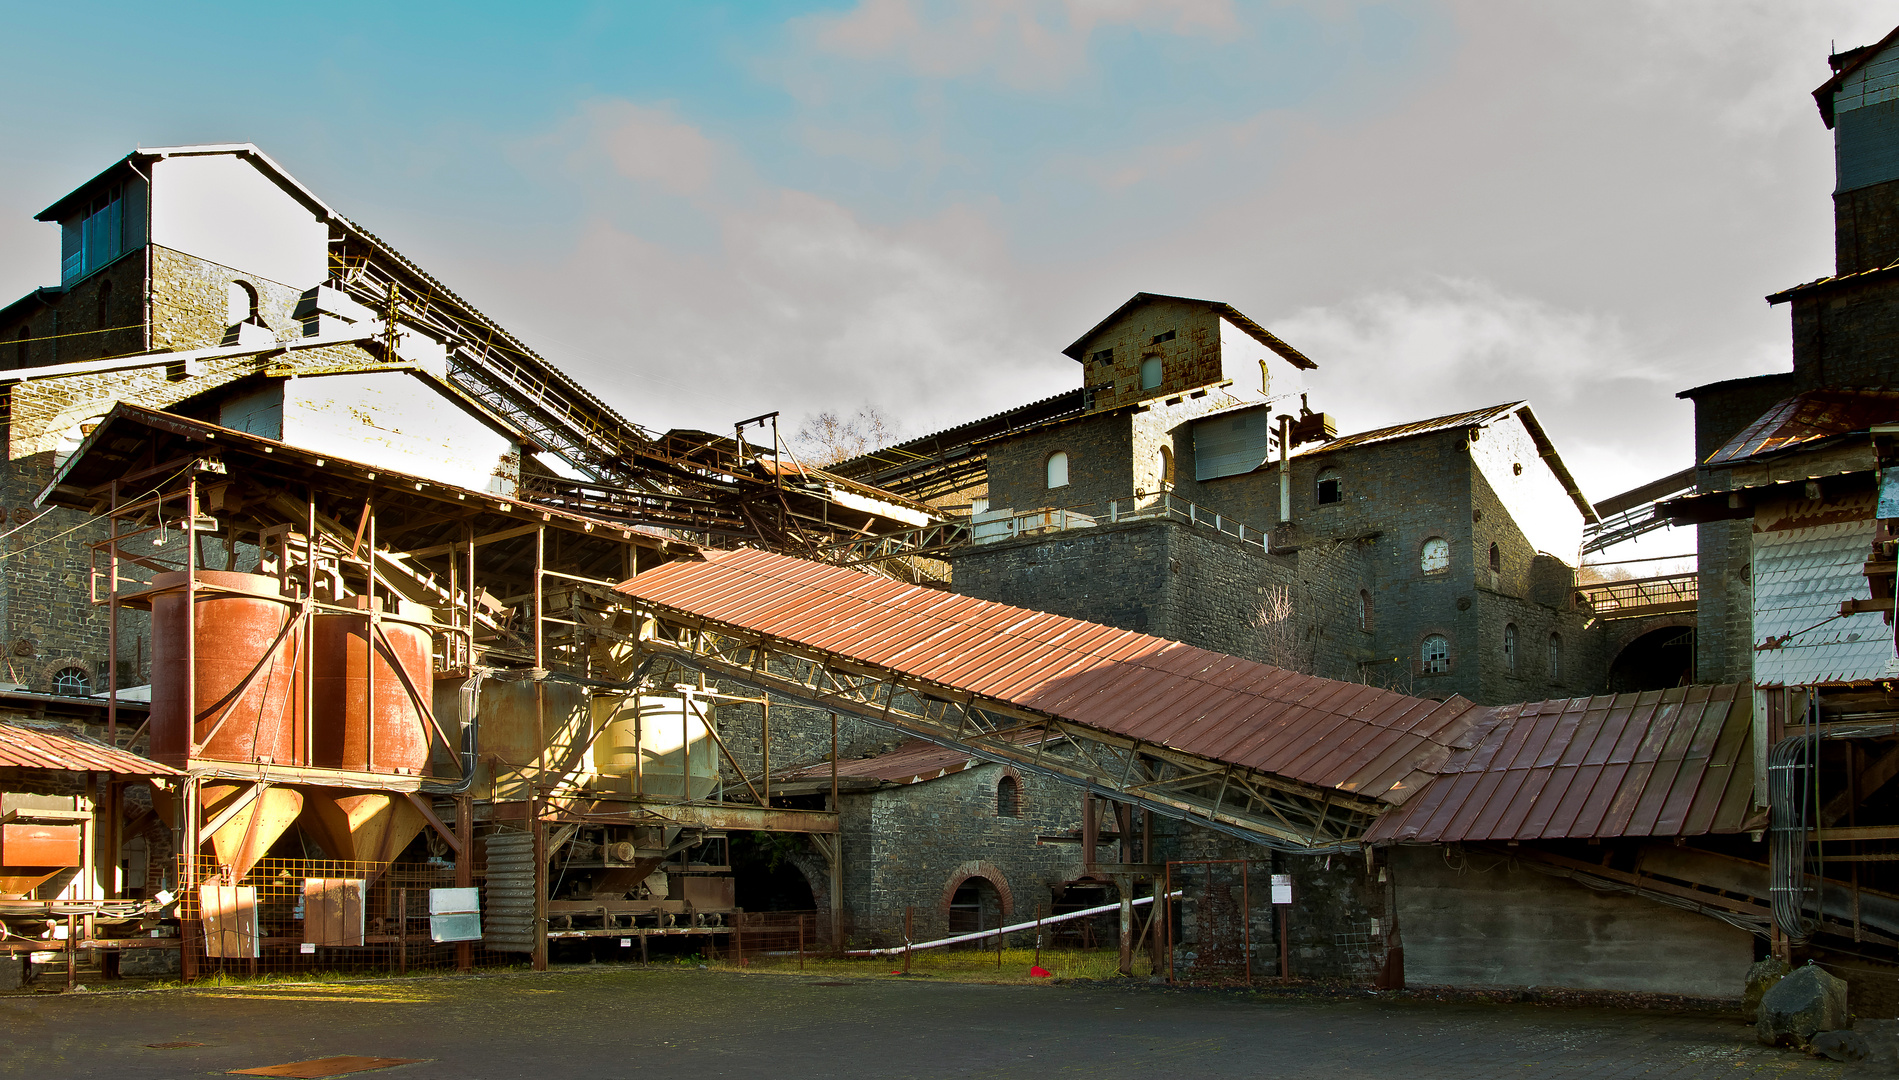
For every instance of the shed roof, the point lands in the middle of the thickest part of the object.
(913, 762)
(1658, 763)
(1329, 734)
(1808, 417)
(47, 746)
(1844, 65)
(1232, 314)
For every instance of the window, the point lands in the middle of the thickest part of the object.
(72, 682)
(90, 241)
(1103, 356)
(1435, 557)
(1364, 610)
(1166, 466)
(1510, 647)
(240, 303)
(1150, 373)
(1329, 485)
(1435, 657)
(1496, 559)
(1008, 797)
(1556, 658)
(1058, 469)
(1158, 338)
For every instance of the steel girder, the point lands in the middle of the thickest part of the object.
(1269, 810)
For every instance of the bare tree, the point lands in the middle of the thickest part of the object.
(1593, 573)
(1282, 644)
(826, 438)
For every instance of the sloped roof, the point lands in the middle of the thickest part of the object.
(1658, 763)
(1807, 417)
(1227, 311)
(1322, 732)
(46, 746)
(1844, 65)
(911, 763)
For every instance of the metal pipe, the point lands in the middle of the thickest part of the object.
(1034, 924)
(1285, 470)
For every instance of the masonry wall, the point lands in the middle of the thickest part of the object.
(1473, 920)
(1866, 228)
(1845, 335)
(914, 845)
(1191, 359)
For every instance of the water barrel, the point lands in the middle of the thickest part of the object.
(236, 640)
(347, 727)
(672, 738)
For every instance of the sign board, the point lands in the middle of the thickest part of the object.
(1282, 888)
(455, 914)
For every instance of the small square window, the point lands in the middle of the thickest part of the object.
(1103, 356)
(1158, 338)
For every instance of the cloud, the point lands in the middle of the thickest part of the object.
(647, 144)
(1027, 44)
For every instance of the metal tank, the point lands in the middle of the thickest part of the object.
(512, 758)
(347, 732)
(670, 741)
(246, 708)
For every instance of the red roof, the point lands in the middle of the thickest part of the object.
(1322, 732)
(1803, 418)
(36, 746)
(1660, 763)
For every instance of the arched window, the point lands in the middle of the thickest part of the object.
(1510, 647)
(1496, 558)
(1008, 797)
(1150, 373)
(1166, 466)
(240, 303)
(1058, 469)
(1556, 658)
(1364, 610)
(1329, 486)
(72, 682)
(1434, 657)
(1435, 556)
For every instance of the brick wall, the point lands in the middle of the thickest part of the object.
(1191, 359)
(1866, 228)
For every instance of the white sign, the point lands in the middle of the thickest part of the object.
(307, 947)
(1282, 888)
(626, 943)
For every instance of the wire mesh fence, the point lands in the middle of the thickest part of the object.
(305, 916)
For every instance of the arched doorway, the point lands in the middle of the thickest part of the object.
(1657, 660)
(975, 905)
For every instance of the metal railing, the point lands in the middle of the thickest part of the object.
(1635, 597)
(998, 525)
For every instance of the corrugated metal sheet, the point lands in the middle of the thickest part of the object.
(37, 746)
(913, 762)
(508, 895)
(1330, 734)
(1866, 146)
(1659, 763)
(1816, 414)
(1233, 443)
(1473, 418)
(1801, 575)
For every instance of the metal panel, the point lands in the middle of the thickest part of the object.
(230, 920)
(510, 893)
(333, 911)
(1658, 763)
(1801, 575)
(40, 845)
(45, 746)
(1816, 414)
(1232, 444)
(1866, 145)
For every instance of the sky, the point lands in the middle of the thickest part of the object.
(709, 211)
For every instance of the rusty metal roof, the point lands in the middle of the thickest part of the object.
(911, 763)
(44, 746)
(1659, 763)
(1328, 734)
(1806, 417)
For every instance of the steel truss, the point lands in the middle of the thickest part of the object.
(1242, 802)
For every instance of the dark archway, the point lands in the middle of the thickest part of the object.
(975, 905)
(766, 877)
(1657, 660)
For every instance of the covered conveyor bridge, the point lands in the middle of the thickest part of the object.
(1288, 760)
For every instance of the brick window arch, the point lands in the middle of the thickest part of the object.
(1057, 469)
(1008, 797)
(1496, 558)
(1434, 655)
(72, 681)
(1510, 647)
(1434, 556)
(1365, 610)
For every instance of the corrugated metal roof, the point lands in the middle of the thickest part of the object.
(44, 746)
(1329, 734)
(1472, 418)
(1801, 574)
(1658, 763)
(913, 762)
(1803, 418)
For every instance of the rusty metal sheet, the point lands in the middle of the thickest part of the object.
(46, 746)
(1659, 763)
(1805, 417)
(1208, 704)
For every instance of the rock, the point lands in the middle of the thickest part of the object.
(1797, 1007)
(1764, 974)
(1841, 1045)
(1882, 1041)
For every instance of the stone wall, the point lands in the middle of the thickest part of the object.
(1866, 228)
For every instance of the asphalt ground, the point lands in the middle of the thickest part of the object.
(683, 1023)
